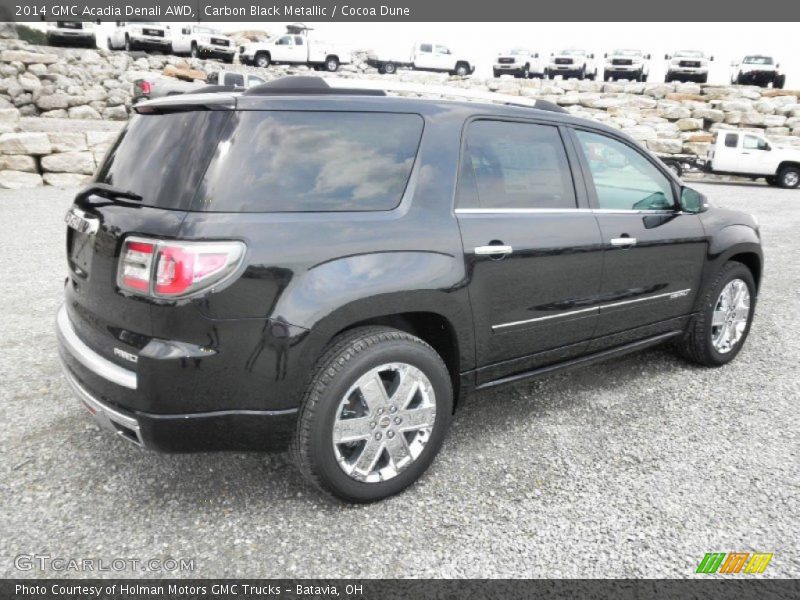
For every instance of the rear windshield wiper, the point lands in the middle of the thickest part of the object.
(105, 190)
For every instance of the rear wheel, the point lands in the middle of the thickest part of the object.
(461, 70)
(717, 334)
(374, 415)
(389, 68)
(331, 64)
(779, 82)
(194, 52)
(789, 177)
(128, 45)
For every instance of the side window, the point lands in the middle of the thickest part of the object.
(186, 31)
(234, 79)
(426, 48)
(298, 40)
(253, 80)
(623, 178)
(731, 140)
(284, 41)
(442, 50)
(515, 165)
(752, 142)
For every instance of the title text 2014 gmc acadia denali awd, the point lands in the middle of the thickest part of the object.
(336, 270)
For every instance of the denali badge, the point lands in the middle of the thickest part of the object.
(77, 220)
(679, 294)
(126, 355)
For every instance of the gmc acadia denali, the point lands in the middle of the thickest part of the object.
(336, 270)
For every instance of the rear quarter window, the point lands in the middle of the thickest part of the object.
(307, 161)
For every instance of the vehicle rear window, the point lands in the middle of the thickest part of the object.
(163, 157)
(308, 161)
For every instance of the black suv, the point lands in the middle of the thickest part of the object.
(335, 270)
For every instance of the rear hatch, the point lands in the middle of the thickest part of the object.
(162, 158)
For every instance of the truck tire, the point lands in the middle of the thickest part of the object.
(462, 69)
(524, 74)
(703, 78)
(393, 444)
(194, 52)
(332, 64)
(592, 76)
(128, 45)
(582, 74)
(779, 82)
(771, 180)
(390, 68)
(262, 60)
(731, 298)
(789, 176)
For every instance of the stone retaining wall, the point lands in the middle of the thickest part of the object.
(43, 90)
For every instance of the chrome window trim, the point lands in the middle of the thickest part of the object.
(545, 211)
(597, 309)
(89, 358)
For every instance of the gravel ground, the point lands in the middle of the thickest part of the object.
(635, 468)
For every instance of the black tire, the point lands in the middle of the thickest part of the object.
(789, 176)
(668, 78)
(348, 357)
(389, 68)
(108, 43)
(128, 45)
(696, 344)
(779, 82)
(592, 76)
(771, 180)
(644, 78)
(228, 59)
(703, 78)
(496, 73)
(582, 74)
(194, 52)
(332, 64)
(262, 60)
(462, 70)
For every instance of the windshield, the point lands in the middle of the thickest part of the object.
(572, 52)
(208, 30)
(517, 51)
(757, 60)
(627, 52)
(689, 53)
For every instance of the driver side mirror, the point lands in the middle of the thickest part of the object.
(592, 56)
(666, 57)
(693, 201)
(647, 57)
(711, 58)
(536, 55)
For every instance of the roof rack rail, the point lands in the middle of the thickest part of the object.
(452, 91)
(304, 84)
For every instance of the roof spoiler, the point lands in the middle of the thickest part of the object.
(302, 85)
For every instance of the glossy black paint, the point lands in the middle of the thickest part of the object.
(245, 352)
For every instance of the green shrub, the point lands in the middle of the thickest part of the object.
(31, 35)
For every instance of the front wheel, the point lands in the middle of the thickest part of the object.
(194, 52)
(374, 415)
(262, 60)
(717, 334)
(461, 70)
(789, 177)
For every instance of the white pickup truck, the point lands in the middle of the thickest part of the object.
(425, 56)
(744, 154)
(202, 41)
(687, 65)
(626, 63)
(140, 35)
(295, 47)
(62, 33)
(572, 62)
(519, 62)
(757, 69)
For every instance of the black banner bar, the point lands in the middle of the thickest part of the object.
(400, 10)
(410, 589)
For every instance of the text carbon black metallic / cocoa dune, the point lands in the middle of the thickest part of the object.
(336, 270)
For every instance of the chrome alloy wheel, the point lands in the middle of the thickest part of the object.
(730, 316)
(791, 179)
(384, 422)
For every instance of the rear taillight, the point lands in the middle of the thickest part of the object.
(144, 87)
(172, 269)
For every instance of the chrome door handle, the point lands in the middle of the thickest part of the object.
(493, 250)
(623, 241)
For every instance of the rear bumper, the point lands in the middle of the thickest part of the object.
(109, 391)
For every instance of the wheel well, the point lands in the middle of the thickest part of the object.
(787, 163)
(330, 56)
(432, 328)
(462, 62)
(752, 262)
